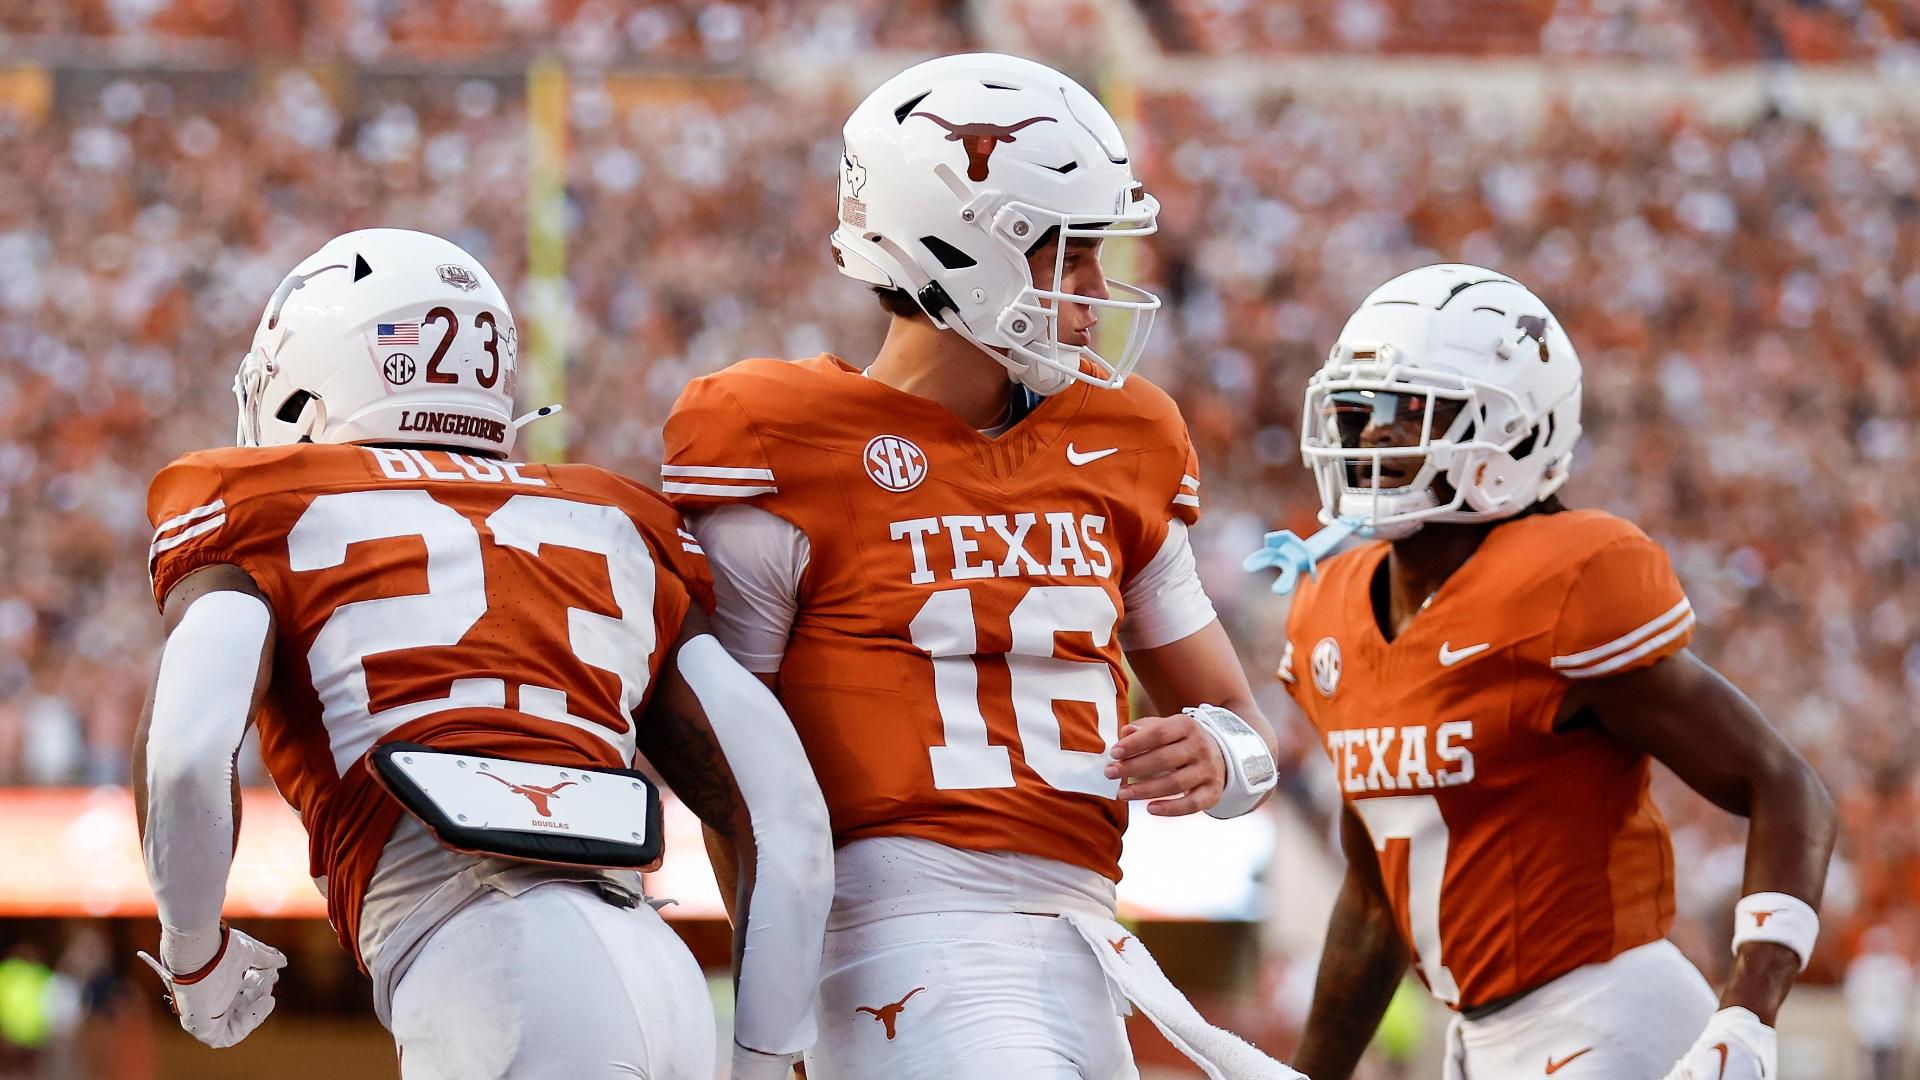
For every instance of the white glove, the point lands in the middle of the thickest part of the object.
(228, 998)
(1734, 1046)
(754, 1065)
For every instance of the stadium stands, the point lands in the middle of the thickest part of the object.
(1669, 31)
(584, 31)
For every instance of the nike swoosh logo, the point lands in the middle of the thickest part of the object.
(1450, 657)
(1555, 1066)
(1076, 458)
(1722, 1047)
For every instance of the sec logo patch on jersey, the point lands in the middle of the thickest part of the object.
(1326, 666)
(895, 463)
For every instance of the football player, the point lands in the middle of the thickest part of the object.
(1492, 677)
(940, 561)
(453, 660)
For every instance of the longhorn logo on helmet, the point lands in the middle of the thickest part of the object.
(1535, 327)
(980, 140)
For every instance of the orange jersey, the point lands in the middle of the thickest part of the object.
(1511, 854)
(497, 608)
(954, 670)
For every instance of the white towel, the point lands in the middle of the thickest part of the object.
(1455, 1065)
(1221, 1054)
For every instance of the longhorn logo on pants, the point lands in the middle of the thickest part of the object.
(981, 139)
(887, 1014)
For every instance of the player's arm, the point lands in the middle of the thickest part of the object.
(1190, 758)
(724, 745)
(214, 670)
(1691, 719)
(1181, 759)
(1360, 966)
(757, 559)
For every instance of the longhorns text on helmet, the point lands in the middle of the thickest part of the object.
(957, 168)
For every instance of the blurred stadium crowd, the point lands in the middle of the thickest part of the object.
(1746, 300)
(1698, 32)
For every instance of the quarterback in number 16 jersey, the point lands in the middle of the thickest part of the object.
(1492, 678)
(940, 560)
(954, 668)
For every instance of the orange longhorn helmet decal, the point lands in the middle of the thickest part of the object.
(980, 139)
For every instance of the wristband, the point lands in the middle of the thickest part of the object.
(1777, 918)
(182, 951)
(755, 1065)
(1251, 771)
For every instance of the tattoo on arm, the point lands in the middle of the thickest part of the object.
(680, 745)
(687, 754)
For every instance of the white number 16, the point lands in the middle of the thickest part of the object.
(945, 630)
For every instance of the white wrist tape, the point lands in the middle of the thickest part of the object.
(1777, 918)
(793, 851)
(1251, 772)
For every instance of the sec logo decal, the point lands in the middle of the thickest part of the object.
(398, 369)
(895, 463)
(1326, 666)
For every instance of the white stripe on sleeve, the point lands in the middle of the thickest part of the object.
(1621, 659)
(737, 491)
(1627, 640)
(194, 514)
(184, 535)
(715, 472)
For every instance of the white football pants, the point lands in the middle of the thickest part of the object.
(967, 996)
(1627, 1019)
(553, 984)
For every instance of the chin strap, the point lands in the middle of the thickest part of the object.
(1290, 555)
(248, 384)
(538, 414)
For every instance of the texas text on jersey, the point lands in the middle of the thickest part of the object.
(512, 610)
(1512, 852)
(954, 671)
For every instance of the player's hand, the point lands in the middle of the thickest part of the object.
(224, 1001)
(1734, 1046)
(1171, 760)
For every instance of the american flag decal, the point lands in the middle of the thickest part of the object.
(406, 333)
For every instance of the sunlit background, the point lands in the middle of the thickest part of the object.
(1716, 196)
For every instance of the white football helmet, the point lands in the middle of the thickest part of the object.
(1459, 348)
(954, 169)
(383, 335)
